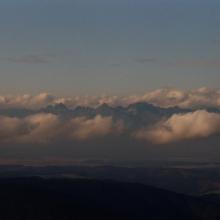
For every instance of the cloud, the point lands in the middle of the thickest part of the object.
(41, 128)
(203, 97)
(170, 97)
(44, 99)
(27, 101)
(198, 124)
(82, 128)
(30, 59)
(34, 128)
(48, 128)
(166, 97)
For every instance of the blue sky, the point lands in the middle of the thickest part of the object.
(114, 47)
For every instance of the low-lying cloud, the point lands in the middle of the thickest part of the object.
(46, 128)
(27, 101)
(83, 128)
(200, 98)
(198, 124)
(169, 97)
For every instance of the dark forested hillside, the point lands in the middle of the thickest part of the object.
(37, 198)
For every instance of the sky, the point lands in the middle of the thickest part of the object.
(108, 47)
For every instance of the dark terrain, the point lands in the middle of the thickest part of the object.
(39, 198)
(189, 178)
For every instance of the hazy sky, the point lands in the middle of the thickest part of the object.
(102, 46)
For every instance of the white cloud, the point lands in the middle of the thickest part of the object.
(202, 97)
(43, 128)
(198, 124)
(46, 128)
(26, 101)
(82, 128)
(168, 97)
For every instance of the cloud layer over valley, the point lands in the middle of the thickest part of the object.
(198, 124)
(167, 97)
(47, 128)
(162, 116)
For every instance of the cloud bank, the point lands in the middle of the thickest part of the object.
(168, 97)
(200, 98)
(198, 124)
(47, 128)
(44, 127)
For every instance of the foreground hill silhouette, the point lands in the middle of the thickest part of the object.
(37, 198)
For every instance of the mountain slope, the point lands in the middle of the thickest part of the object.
(36, 198)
